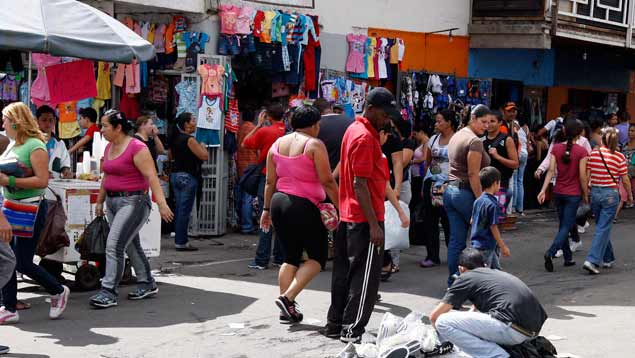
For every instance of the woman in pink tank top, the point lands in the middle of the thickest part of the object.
(299, 173)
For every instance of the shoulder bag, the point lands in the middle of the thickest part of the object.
(607, 167)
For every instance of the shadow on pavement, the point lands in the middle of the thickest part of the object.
(172, 306)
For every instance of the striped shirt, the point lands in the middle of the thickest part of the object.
(616, 163)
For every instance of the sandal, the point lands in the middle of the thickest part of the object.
(20, 306)
(394, 269)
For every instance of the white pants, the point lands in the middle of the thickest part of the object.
(477, 334)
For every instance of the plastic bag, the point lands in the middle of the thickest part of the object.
(388, 327)
(396, 236)
(92, 242)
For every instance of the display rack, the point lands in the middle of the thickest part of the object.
(209, 215)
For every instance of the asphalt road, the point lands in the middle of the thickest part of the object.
(211, 305)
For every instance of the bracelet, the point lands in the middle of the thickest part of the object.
(11, 181)
(265, 209)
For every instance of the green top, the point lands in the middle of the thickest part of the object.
(23, 155)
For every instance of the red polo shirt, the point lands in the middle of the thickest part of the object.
(361, 157)
(263, 139)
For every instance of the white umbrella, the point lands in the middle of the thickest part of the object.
(69, 28)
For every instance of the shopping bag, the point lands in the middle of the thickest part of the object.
(92, 242)
(53, 235)
(396, 237)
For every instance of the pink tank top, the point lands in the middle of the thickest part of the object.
(121, 173)
(297, 176)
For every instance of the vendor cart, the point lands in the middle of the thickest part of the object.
(78, 200)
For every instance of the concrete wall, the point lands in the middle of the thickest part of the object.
(195, 6)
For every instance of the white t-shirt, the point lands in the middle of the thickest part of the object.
(439, 166)
(209, 114)
(551, 126)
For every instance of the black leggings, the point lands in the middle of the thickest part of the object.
(434, 214)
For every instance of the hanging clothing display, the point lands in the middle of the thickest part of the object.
(232, 117)
(209, 114)
(187, 97)
(103, 81)
(40, 88)
(212, 77)
(68, 125)
(9, 88)
(356, 51)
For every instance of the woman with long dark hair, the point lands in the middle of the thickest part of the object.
(568, 191)
(604, 166)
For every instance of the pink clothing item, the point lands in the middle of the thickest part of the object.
(213, 77)
(132, 75)
(159, 38)
(582, 141)
(298, 176)
(121, 173)
(40, 88)
(245, 17)
(119, 75)
(228, 18)
(356, 50)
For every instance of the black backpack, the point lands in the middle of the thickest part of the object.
(192, 54)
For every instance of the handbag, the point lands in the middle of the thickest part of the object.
(330, 219)
(21, 216)
(607, 167)
(250, 180)
(54, 236)
(436, 194)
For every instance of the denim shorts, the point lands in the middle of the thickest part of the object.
(228, 45)
(207, 136)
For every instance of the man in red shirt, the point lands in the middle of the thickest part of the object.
(88, 121)
(360, 236)
(261, 138)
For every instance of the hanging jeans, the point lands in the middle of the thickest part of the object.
(184, 186)
(518, 182)
(458, 204)
(24, 250)
(604, 204)
(126, 216)
(567, 206)
(263, 252)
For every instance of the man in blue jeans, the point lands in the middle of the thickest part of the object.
(261, 138)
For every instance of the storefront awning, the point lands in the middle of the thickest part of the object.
(69, 28)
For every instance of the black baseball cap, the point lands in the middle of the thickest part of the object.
(382, 98)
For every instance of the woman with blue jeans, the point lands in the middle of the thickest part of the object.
(467, 156)
(187, 155)
(567, 157)
(604, 166)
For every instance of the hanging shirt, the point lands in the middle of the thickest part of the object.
(103, 81)
(209, 114)
(151, 33)
(159, 38)
(356, 50)
(258, 19)
(232, 117)
(10, 88)
(213, 77)
(381, 57)
(169, 38)
(371, 44)
(200, 37)
(266, 29)
(243, 22)
(187, 97)
(40, 88)
(228, 18)
(179, 40)
(68, 125)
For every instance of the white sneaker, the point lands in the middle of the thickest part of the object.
(7, 317)
(581, 229)
(559, 253)
(608, 265)
(575, 246)
(58, 303)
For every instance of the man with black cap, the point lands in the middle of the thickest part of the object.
(360, 236)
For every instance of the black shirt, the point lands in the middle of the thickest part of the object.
(392, 145)
(408, 143)
(184, 159)
(499, 294)
(332, 129)
(501, 148)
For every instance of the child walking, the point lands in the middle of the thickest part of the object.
(485, 235)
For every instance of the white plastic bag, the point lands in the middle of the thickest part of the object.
(396, 236)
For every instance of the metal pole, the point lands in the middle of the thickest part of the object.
(29, 75)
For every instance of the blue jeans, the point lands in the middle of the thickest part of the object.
(477, 334)
(184, 186)
(604, 203)
(458, 205)
(24, 250)
(263, 252)
(245, 207)
(517, 181)
(567, 206)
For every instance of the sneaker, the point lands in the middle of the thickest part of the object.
(581, 229)
(141, 293)
(102, 300)
(569, 263)
(186, 247)
(289, 309)
(254, 265)
(427, 263)
(591, 268)
(352, 339)
(548, 262)
(575, 246)
(559, 253)
(608, 265)
(440, 349)
(4, 349)
(58, 303)
(7, 317)
(330, 331)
